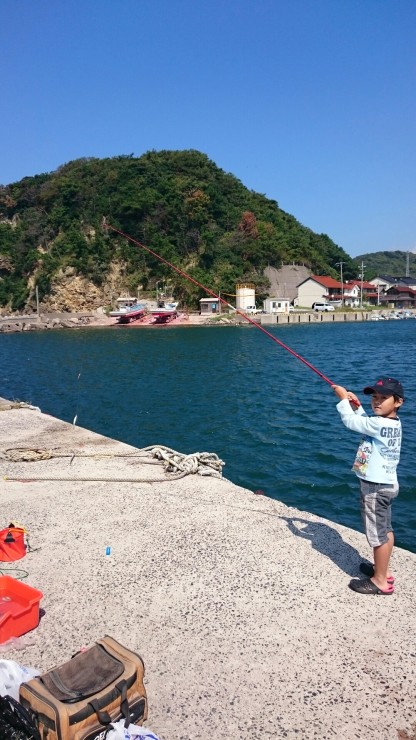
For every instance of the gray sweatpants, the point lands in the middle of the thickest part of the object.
(376, 499)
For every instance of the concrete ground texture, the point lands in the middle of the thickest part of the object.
(238, 604)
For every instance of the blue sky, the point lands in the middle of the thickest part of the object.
(311, 102)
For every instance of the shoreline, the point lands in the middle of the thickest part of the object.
(95, 319)
(85, 319)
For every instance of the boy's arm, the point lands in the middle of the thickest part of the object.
(359, 421)
(355, 418)
(343, 395)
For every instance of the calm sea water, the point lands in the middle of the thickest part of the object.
(233, 391)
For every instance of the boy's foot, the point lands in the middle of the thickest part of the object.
(369, 587)
(368, 570)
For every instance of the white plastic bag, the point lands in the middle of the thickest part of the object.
(12, 674)
(119, 732)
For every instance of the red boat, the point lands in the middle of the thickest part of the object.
(164, 312)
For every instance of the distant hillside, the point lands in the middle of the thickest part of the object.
(386, 263)
(177, 202)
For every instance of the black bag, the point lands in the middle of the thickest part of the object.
(15, 722)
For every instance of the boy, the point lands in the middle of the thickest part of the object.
(375, 465)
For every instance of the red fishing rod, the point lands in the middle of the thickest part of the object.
(224, 302)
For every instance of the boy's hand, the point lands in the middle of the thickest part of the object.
(354, 401)
(342, 393)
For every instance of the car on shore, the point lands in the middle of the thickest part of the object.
(322, 307)
(251, 310)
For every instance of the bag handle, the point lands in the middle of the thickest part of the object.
(103, 716)
(121, 686)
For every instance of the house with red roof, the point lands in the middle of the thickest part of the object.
(397, 292)
(399, 296)
(354, 287)
(318, 288)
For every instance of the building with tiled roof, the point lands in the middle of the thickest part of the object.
(384, 282)
(399, 296)
(317, 288)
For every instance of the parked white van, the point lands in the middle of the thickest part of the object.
(250, 310)
(323, 307)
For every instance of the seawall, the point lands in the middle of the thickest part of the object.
(238, 604)
(15, 324)
(314, 317)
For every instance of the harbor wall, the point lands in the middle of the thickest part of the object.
(314, 317)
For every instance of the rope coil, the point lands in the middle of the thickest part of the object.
(201, 463)
(176, 464)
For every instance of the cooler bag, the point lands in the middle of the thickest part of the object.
(79, 699)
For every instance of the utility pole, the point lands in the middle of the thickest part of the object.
(37, 303)
(340, 265)
(362, 278)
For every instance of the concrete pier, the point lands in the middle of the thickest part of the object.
(313, 317)
(239, 605)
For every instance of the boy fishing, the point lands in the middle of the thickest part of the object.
(375, 465)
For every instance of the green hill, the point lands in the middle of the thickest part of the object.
(387, 263)
(179, 203)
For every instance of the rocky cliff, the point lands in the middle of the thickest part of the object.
(74, 293)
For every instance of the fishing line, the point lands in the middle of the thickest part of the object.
(80, 388)
(75, 419)
(218, 297)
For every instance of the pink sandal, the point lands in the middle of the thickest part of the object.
(368, 570)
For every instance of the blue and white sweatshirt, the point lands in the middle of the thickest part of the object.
(378, 453)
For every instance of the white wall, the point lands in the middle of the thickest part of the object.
(245, 297)
(276, 305)
(310, 292)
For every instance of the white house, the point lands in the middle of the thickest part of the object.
(385, 282)
(351, 294)
(318, 289)
(276, 305)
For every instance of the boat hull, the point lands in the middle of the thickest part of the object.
(162, 317)
(133, 313)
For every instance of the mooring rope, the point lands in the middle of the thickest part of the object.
(23, 454)
(176, 465)
(202, 463)
(9, 406)
(27, 454)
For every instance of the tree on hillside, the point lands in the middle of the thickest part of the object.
(179, 203)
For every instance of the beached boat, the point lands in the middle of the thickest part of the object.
(128, 310)
(164, 312)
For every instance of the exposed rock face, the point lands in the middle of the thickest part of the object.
(74, 293)
(284, 282)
